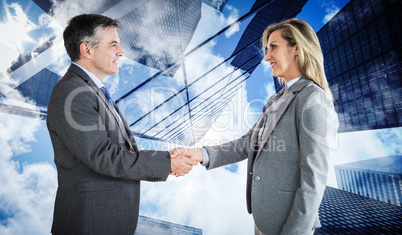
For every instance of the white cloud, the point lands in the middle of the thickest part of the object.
(27, 198)
(17, 25)
(26, 193)
(211, 200)
(270, 87)
(234, 15)
(270, 90)
(5, 60)
(50, 28)
(363, 145)
(212, 22)
(330, 10)
(391, 140)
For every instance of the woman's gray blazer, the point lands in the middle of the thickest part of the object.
(288, 168)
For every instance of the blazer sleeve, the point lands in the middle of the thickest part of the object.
(317, 125)
(230, 152)
(75, 117)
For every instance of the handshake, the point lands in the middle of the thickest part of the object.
(183, 160)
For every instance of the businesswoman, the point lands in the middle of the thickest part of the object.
(285, 183)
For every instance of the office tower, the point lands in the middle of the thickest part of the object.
(39, 87)
(378, 178)
(158, 32)
(148, 226)
(155, 34)
(343, 212)
(217, 4)
(362, 46)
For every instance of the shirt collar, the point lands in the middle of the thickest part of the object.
(293, 81)
(94, 78)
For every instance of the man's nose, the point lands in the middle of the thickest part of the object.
(120, 52)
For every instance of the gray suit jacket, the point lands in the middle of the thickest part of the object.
(287, 170)
(99, 168)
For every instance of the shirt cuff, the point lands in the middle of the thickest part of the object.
(205, 157)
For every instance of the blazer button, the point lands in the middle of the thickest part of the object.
(257, 178)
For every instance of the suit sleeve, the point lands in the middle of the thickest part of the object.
(75, 117)
(230, 152)
(317, 129)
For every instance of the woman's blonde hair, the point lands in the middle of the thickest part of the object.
(310, 59)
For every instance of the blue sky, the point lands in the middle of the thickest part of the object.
(213, 201)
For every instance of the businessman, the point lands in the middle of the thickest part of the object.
(98, 162)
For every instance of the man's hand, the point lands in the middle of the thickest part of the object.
(183, 160)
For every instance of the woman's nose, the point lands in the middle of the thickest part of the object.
(267, 56)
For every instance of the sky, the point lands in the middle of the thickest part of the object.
(211, 200)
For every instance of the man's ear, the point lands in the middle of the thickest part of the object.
(85, 50)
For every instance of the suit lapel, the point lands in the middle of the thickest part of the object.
(127, 129)
(116, 118)
(92, 84)
(278, 108)
(276, 114)
(254, 135)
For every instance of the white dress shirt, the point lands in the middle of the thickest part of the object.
(99, 84)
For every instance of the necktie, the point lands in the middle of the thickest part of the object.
(107, 95)
(109, 98)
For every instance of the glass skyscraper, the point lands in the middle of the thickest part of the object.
(148, 226)
(217, 4)
(158, 32)
(343, 212)
(362, 46)
(155, 34)
(378, 178)
(39, 87)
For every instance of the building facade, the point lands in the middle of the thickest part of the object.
(362, 46)
(148, 226)
(343, 212)
(217, 4)
(155, 34)
(39, 87)
(378, 178)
